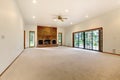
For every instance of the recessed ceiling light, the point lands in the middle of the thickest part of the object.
(55, 19)
(71, 23)
(34, 1)
(86, 16)
(33, 17)
(66, 10)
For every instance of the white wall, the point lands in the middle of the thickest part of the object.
(28, 28)
(111, 30)
(11, 33)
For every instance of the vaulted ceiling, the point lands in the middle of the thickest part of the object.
(43, 12)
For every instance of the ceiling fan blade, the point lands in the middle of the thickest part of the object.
(64, 18)
(59, 17)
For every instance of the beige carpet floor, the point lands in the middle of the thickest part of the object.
(62, 63)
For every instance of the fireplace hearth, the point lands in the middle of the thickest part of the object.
(47, 42)
(54, 42)
(40, 42)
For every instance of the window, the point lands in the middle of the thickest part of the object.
(32, 39)
(60, 39)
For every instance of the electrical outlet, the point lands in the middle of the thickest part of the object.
(114, 50)
(118, 51)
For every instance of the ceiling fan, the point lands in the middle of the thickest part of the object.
(59, 17)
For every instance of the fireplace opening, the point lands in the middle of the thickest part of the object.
(53, 41)
(46, 41)
(40, 42)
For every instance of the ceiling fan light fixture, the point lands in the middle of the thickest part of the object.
(59, 18)
(34, 1)
(33, 17)
(86, 16)
(71, 23)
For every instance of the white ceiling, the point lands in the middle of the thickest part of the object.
(45, 10)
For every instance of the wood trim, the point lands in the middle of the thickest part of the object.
(89, 30)
(73, 39)
(68, 46)
(101, 40)
(11, 63)
(110, 53)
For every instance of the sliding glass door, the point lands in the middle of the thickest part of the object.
(87, 39)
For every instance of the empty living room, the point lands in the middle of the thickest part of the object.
(59, 39)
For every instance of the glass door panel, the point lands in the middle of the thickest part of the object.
(76, 40)
(88, 40)
(96, 40)
(31, 39)
(81, 40)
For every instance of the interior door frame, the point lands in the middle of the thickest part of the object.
(29, 39)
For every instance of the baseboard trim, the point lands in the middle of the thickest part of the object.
(67, 46)
(11, 63)
(111, 53)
